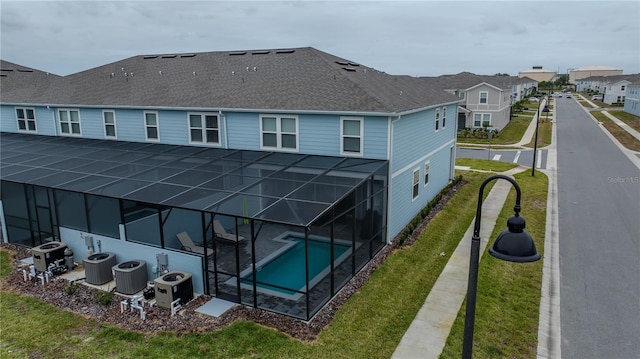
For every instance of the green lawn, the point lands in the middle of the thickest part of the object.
(369, 325)
(631, 120)
(510, 134)
(508, 297)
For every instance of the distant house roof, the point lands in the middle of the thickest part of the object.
(613, 78)
(468, 80)
(300, 79)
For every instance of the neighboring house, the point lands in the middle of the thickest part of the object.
(487, 99)
(539, 74)
(632, 98)
(296, 153)
(614, 92)
(591, 71)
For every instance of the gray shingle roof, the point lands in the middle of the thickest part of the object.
(301, 79)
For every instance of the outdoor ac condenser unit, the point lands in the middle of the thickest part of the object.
(131, 276)
(47, 253)
(97, 268)
(171, 286)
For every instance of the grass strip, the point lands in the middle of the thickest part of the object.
(510, 134)
(508, 297)
(631, 120)
(485, 165)
(624, 137)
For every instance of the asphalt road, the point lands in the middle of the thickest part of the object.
(599, 235)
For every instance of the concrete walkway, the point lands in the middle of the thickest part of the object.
(624, 126)
(428, 332)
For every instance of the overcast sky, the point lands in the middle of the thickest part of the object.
(419, 38)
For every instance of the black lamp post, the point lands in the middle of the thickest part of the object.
(514, 244)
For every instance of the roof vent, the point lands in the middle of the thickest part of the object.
(353, 64)
(193, 73)
(260, 52)
(168, 56)
(160, 72)
(285, 51)
(236, 53)
(350, 69)
(25, 70)
(188, 55)
(112, 74)
(6, 69)
(3, 75)
(150, 57)
(233, 73)
(343, 63)
(255, 68)
(122, 69)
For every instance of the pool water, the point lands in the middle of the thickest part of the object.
(288, 269)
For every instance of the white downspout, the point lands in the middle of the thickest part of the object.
(226, 134)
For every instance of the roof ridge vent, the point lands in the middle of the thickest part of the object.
(353, 64)
(350, 69)
(260, 52)
(25, 70)
(237, 53)
(188, 55)
(169, 56)
(343, 63)
(285, 51)
(150, 57)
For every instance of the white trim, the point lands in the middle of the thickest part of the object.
(203, 128)
(26, 119)
(444, 117)
(68, 122)
(420, 160)
(427, 171)
(436, 116)
(157, 126)
(414, 184)
(360, 137)
(481, 114)
(104, 125)
(480, 98)
(278, 132)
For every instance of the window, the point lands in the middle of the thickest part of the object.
(426, 173)
(26, 119)
(462, 94)
(416, 182)
(151, 126)
(437, 119)
(109, 118)
(279, 132)
(482, 120)
(484, 96)
(203, 128)
(69, 122)
(444, 117)
(622, 88)
(351, 132)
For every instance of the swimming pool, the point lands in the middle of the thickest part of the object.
(286, 267)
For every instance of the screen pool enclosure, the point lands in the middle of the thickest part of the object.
(277, 231)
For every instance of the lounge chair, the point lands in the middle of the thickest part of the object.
(220, 232)
(188, 245)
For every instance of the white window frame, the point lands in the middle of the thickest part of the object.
(106, 125)
(486, 97)
(415, 184)
(27, 121)
(437, 118)
(68, 122)
(427, 168)
(482, 119)
(147, 126)
(444, 117)
(279, 133)
(204, 130)
(344, 136)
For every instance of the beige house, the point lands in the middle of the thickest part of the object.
(591, 71)
(539, 74)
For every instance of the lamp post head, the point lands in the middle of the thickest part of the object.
(514, 244)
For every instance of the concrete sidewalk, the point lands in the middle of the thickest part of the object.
(427, 334)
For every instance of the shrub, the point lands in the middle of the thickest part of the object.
(70, 288)
(103, 297)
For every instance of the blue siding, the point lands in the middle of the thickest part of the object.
(243, 130)
(415, 142)
(376, 137)
(44, 119)
(320, 134)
